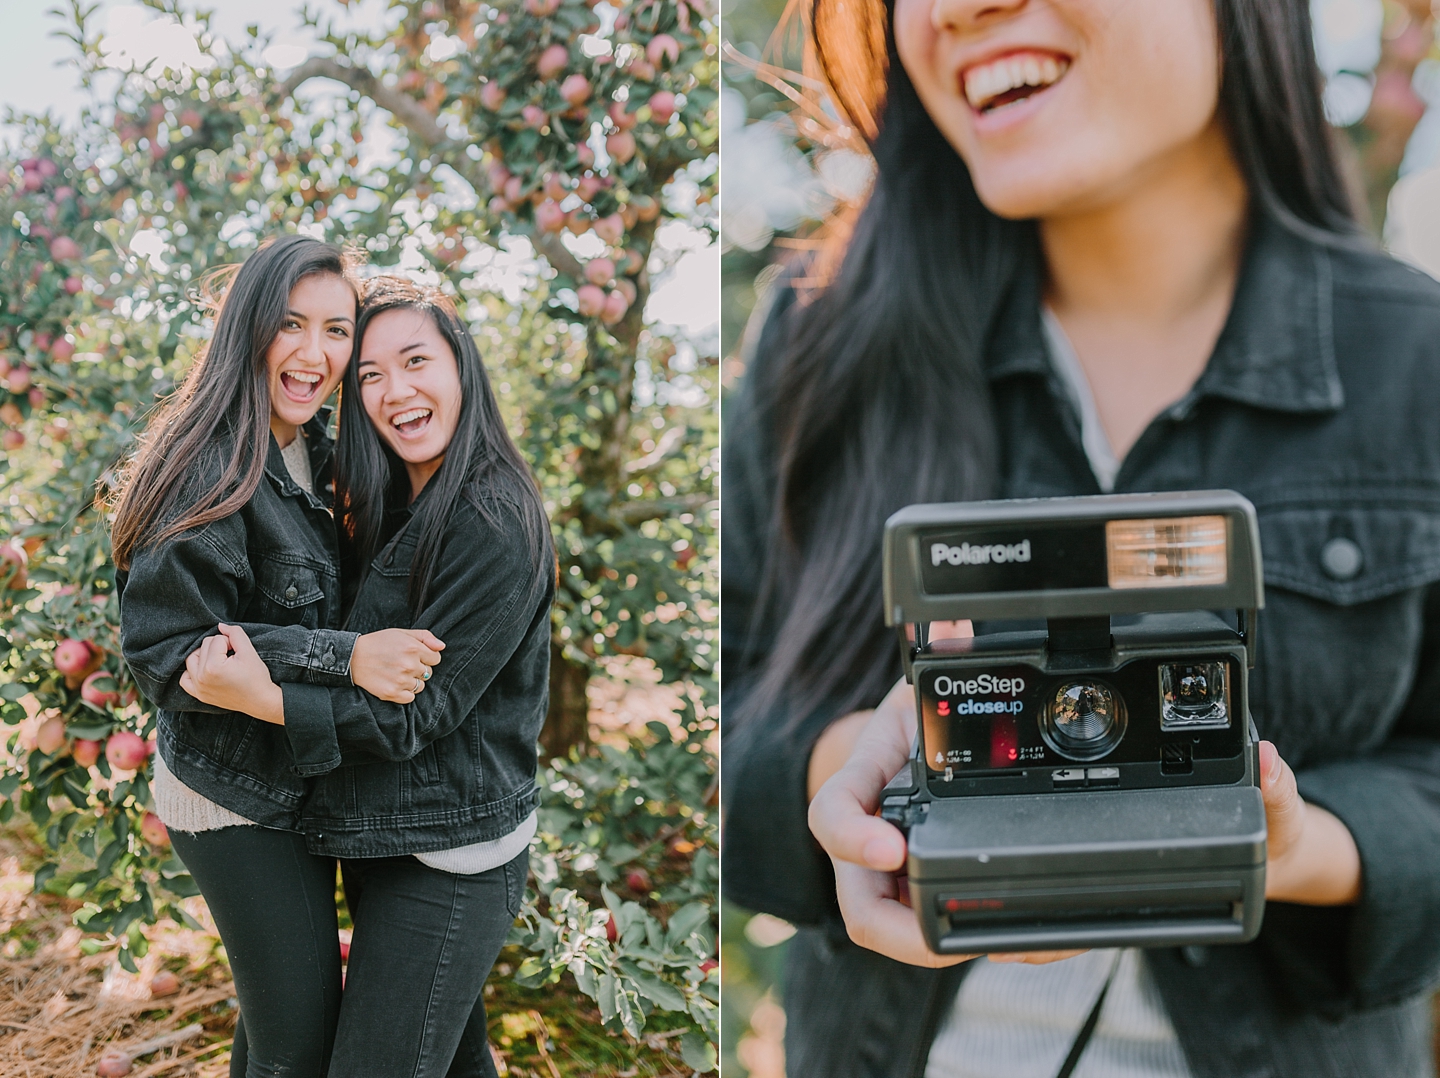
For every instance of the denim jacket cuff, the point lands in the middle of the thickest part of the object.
(310, 728)
(329, 660)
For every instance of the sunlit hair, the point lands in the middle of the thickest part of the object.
(482, 464)
(203, 452)
(872, 394)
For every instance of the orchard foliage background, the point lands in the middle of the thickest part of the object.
(565, 145)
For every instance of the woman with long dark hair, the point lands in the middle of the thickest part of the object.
(1108, 247)
(430, 805)
(222, 515)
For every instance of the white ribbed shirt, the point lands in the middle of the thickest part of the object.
(182, 809)
(1018, 1021)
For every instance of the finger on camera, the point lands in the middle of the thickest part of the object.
(881, 924)
(1034, 958)
(846, 830)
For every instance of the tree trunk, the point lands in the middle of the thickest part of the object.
(567, 724)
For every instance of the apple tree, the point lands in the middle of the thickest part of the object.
(569, 143)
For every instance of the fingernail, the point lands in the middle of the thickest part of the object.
(1272, 770)
(880, 853)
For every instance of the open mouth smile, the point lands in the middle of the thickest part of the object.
(412, 421)
(1017, 76)
(300, 386)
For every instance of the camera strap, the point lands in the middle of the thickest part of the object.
(1082, 1038)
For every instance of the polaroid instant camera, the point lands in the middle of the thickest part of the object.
(1091, 783)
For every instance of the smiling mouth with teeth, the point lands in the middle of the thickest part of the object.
(300, 384)
(413, 420)
(1004, 81)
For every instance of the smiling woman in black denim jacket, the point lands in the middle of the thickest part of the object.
(431, 804)
(223, 515)
(1108, 247)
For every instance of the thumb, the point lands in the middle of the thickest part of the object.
(429, 639)
(239, 642)
(1284, 807)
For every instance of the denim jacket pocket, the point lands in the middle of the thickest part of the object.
(1352, 549)
(1346, 576)
(288, 583)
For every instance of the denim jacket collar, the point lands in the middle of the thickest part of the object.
(321, 451)
(1276, 350)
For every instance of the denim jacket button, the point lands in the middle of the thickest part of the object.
(291, 592)
(330, 657)
(1341, 559)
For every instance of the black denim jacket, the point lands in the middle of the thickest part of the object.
(1321, 403)
(457, 765)
(272, 569)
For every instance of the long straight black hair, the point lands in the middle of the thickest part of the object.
(222, 408)
(482, 464)
(875, 397)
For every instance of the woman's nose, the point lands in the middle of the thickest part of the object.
(398, 389)
(963, 15)
(312, 346)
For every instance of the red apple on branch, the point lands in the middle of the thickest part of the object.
(101, 690)
(85, 752)
(126, 750)
(72, 656)
(591, 300)
(50, 738)
(623, 120)
(492, 95)
(615, 307)
(611, 228)
(575, 89)
(600, 271)
(549, 217)
(662, 106)
(552, 61)
(64, 249)
(153, 830)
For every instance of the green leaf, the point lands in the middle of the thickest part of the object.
(126, 960)
(182, 885)
(43, 875)
(606, 997)
(13, 690)
(661, 993)
(622, 853)
(88, 729)
(698, 1052)
(686, 920)
(176, 913)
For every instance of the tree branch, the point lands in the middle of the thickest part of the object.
(633, 513)
(402, 106)
(556, 253)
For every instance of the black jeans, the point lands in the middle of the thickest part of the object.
(274, 904)
(424, 943)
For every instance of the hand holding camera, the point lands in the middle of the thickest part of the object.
(1098, 874)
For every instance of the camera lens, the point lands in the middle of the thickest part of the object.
(1083, 720)
(1194, 696)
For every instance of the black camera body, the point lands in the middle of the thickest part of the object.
(1089, 779)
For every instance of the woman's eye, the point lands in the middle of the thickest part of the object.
(368, 376)
(414, 360)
